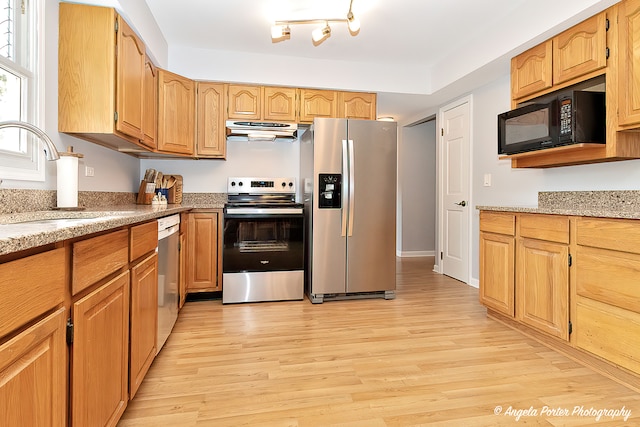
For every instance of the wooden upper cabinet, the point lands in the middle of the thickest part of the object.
(317, 103)
(531, 71)
(150, 102)
(101, 73)
(580, 50)
(176, 113)
(211, 133)
(357, 105)
(629, 65)
(130, 79)
(279, 104)
(245, 102)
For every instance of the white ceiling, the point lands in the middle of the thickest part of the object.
(453, 45)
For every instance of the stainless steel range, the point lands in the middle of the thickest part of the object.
(263, 254)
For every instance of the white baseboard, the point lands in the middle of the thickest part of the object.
(415, 254)
(474, 283)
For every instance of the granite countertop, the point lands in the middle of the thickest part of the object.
(603, 204)
(27, 221)
(31, 229)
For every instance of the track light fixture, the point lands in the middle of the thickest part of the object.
(280, 30)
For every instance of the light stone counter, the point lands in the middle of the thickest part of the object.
(28, 221)
(603, 204)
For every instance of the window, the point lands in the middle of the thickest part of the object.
(20, 154)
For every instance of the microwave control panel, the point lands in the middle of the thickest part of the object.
(565, 116)
(329, 191)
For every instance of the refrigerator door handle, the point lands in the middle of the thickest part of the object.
(345, 187)
(352, 187)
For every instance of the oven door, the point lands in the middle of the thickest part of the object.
(263, 241)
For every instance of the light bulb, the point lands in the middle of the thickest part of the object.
(280, 32)
(353, 23)
(320, 34)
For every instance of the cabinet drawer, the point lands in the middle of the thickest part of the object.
(143, 239)
(96, 258)
(30, 287)
(498, 222)
(607, 276)
(551, 228)
(609, 332)
(617, 234)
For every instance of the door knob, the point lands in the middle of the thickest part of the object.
(462, 203)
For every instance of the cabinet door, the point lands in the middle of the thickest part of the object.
(357, 105)
(144, 320)
(176, 113)
(204, 271)
(150, 111)
(580, 49)
(542, 286)
(497, 278)
(245, 102)
(531, 71)
(629, 54)
(33, 373)
(317, 103)
(279, 104)
(130, 78)
(211, 133)
(100, 354)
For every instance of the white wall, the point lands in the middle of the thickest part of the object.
(417, 179)
(245, 159)
(520, 187)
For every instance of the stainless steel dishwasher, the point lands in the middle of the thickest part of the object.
(168, 264)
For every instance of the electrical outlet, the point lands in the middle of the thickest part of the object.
(487, 180)
(88, 171)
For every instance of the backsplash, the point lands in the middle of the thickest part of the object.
(624, 201)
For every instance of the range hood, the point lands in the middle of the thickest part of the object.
(242, 130)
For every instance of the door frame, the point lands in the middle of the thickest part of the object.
(439, 263)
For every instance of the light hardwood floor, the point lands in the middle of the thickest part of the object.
(429, 357)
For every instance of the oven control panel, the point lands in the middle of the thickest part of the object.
(261, 185)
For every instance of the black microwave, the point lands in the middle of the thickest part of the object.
(568, 117)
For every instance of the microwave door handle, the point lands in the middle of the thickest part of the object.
(345, 187)
(352, 186)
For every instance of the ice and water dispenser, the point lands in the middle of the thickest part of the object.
(330, 189)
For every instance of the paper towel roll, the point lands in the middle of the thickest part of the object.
(67, 183)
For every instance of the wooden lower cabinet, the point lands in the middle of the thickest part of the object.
(497, 260)
(607, 314)
(542, 286)
(143, 320)
(204, 246)
(100, 354)
(33, 375)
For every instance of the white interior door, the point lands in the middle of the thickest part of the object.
(455, 120)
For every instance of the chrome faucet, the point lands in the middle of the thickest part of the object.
(50, 149)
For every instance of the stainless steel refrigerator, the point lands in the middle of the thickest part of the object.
(348, 175)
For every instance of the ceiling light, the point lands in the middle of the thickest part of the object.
(321, 34)
(280, 33)
(280, 30)
(353, 23)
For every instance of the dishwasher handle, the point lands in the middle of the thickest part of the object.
(166, 232)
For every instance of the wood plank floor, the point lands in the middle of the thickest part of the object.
(429, 357)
